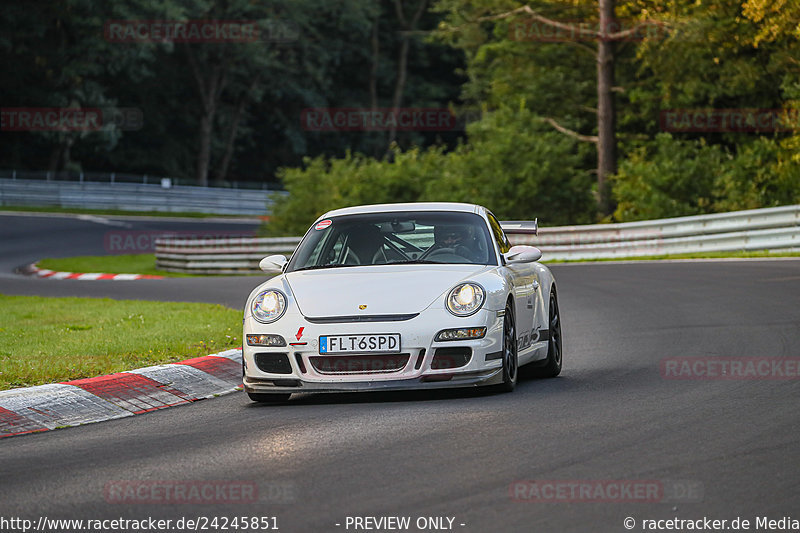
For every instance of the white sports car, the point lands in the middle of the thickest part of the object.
(401, 296)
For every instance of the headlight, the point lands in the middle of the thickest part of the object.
(268, 306)
(465, 299)
(460, 334)
(265, 340)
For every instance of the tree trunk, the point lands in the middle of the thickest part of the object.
(375, 45)
(400, 84)
(204, 150)
(60, 155)
(55, 158)
(402, 58)
(375, 59)
(209, 88)
(222, 171)
(606, 113)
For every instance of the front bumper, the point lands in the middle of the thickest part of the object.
(416, 342)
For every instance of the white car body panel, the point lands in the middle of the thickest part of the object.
(384, 289)
(405, 299)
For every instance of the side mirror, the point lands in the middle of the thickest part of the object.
(522, 254)
(273, 263)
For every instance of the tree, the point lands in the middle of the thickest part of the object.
(547, 183)
(606, 113)
(54, 55)
(233, 65)
(407, 26)
(605, 34)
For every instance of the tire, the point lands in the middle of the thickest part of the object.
(552, 364)
(274, 397)
(510, 358)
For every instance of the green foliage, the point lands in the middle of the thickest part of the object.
(719, 54)
(514, 164)
(109, 264)
(722, 54)
(324, 184)
(509, 60)
(765, 173)
(55, 54)
(670, 178)
(520, 168)
(673, 177)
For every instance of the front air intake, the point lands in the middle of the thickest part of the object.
(359, 364)
(451, 357)
(273, 363)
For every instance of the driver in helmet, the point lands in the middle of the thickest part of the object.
(449, 236)
(457, 238)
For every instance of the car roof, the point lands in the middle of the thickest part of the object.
(415, 206)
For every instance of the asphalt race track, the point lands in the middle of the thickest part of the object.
(731, 446)
(28, 238)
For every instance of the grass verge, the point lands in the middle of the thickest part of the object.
(145, 263)
(699, 255)
(46, 340)
(110, 264)
(117, 264)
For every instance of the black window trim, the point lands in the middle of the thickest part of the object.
(491, 218)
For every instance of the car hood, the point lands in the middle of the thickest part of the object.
(383, 289)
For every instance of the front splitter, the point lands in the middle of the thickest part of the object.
(471, 379)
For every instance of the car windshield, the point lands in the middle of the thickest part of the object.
(395, 238)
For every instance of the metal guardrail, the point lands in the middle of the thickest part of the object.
(121, 177)
(776, 228)
(219, 256)
(134, 197)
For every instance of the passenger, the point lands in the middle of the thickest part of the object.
(364, 242)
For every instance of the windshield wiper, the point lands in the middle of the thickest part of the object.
(414, 262)
(317, 267)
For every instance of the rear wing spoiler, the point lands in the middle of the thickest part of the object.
(522, 226)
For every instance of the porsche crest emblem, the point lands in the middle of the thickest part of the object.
(362, 306)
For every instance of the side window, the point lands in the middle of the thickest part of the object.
(500, 237)
(313, 257)
(336, 251)
(330, 250)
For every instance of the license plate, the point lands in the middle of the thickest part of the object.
(376, 343)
